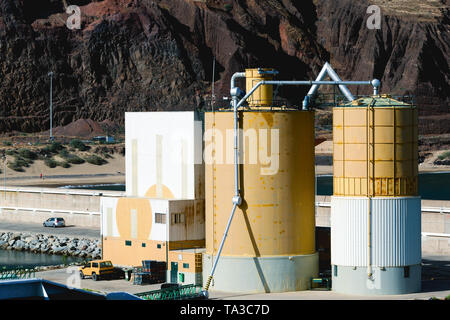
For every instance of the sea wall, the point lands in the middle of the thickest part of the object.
(79, 208)
(51, 244)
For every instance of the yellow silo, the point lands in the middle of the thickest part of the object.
(271, 242)
(375, 208)
(262, 97)
(375, 138)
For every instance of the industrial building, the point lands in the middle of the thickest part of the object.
(162, 217)
(227, 198)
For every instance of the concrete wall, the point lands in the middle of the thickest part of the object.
(42, 198)
(432, 222)
(34, 205)
(25, 216)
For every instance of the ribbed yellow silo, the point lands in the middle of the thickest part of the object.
(375, 208)
(375, 138)
(271, 242)
(262, 97)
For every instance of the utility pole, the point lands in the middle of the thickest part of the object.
(4, 163)
(50, 74)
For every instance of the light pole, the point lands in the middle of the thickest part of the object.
(50, 74)
(4, 163)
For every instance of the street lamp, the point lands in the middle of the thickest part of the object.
(4, 163)
(50, 74)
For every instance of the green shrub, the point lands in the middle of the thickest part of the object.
(14, 166)
(17, 165)
(27, 154)
(10, 152)
(22, 162)
(78, 144)
(93, 159)
(73, 159)
(50, 163)
(54, 147)
(7, 143)
(64, 153)
(65, 164)
(444, 155)
(106, 155)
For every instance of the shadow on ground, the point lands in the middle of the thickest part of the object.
(435, 275)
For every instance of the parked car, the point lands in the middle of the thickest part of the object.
(54, 222)
(97, 269)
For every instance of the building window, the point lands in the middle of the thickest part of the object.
(406, 272)
(143, 245)
(177, 218)
(160, 218)
(128, 243)
(335, 270)
(158, 246)
(186, 265)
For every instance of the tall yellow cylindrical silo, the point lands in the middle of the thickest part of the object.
(375, 208)
(271, 242)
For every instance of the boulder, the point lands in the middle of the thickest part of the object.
(15, 236)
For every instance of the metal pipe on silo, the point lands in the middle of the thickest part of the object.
(327, 69)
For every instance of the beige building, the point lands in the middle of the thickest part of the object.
(162, 217)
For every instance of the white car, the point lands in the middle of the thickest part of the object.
(54, 222)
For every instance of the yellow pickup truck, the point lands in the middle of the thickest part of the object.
(97, 269)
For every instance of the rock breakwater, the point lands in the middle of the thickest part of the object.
(51, 244)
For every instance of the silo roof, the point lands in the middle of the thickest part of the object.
(377, 101)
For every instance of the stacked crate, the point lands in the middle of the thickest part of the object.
(151, 272)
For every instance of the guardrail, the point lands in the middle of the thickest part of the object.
(179, 293)
(424, 209)
(432, 234)
(78, 192)
(34, 210)
(17, 274)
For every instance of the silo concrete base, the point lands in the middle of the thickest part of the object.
(261, 274)
(385, 281)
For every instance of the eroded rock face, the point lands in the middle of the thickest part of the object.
(139, 55)
(409, 54)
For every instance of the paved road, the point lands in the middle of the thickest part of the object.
(439, 288)
(69, 231)
(104, 286)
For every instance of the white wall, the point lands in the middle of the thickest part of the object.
(109, 222)
(161, 150)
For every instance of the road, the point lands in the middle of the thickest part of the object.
(69, 231)
(435, 283)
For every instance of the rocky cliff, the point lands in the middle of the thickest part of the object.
(135, 55)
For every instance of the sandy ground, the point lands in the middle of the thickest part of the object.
(114, 171)
(77, 174)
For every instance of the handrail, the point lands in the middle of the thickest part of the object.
(50, 210)
(63, 191)
(442, 210)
